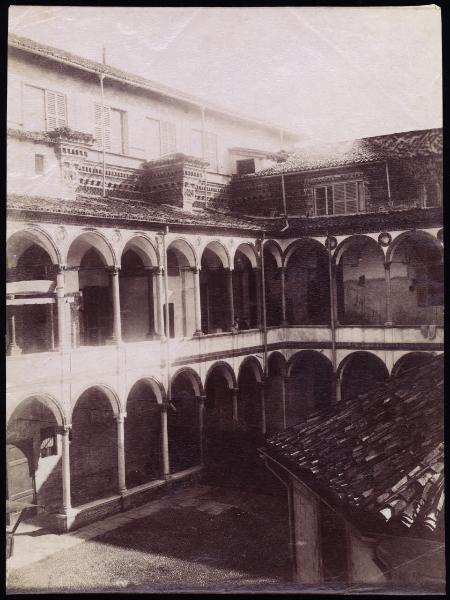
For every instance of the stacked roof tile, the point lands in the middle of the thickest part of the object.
(380, 454)
(403, 145)
(127, 210)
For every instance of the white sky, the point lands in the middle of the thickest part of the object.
(328, 73)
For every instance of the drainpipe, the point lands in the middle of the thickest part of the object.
(102, 76)
(203, 153)
(388, 184)
(332, 315)
(166, 312)
(283, 192)
(290, 517)
(264, 319)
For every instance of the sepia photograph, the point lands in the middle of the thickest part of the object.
(224, 318)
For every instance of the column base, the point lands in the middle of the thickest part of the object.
(65, 520)
(198, 333)
(13, 350)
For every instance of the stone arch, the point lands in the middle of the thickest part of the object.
(144, 248)
(300, 244)
(419, 234)
(307, 283)
(21, 240)
(155, 385)
(277, 362)
(87, 240)
(360, 281)
(359, 372)
(255, 367)
(48, 400)
(184, 252)
(109, 393)
(411, 360)
(220, 252)
(309, 385)
(249, 251)
(142, 432)
(274, 248)
(192, 376)
(226, 371)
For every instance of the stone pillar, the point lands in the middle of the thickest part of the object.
(262, 398)
(259, 319)
(197, 301)
(159, 317)
(234, 400)
(165, 441)
(152, 322)
(65, 460)
(387, 278)
(116, 337)
(201, 417)
(229, 276)
(282, 271)
(61, 310)
(120, 419)
(283, 400)
(13, 349)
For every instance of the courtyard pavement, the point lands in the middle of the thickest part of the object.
(199, 538)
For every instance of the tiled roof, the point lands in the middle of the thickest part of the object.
(410, 144)
(128, 210)
(379, 455)
(97, 67)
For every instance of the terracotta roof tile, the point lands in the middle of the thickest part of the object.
(373, 464)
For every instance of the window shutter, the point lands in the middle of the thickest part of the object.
(55, 106)
(339, 199)
(320, 201)
(351, 193)
(168, 138)
(98, 133)
(34, 108)
(361, 196)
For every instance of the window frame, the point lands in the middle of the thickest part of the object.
(360, 198)
(107, 129)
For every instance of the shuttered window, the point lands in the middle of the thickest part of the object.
(56, 114)
(44, 110)
(98, 130)
(339, 198)
(168, 138)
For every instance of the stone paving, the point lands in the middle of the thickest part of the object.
(159, 549)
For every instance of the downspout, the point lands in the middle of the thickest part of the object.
(102, 76)
(203, 152)
(332, 315)
(283, 192)
(291, 524)
(264, 319)
(388, 184)
(166, 313)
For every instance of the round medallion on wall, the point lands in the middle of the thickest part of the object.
(116, 236)
(440, 235)
(61, 233)
(384, 239)
(331, 242)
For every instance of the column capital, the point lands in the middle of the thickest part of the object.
(387, 264)
(64, 429)
(164, 407)
(196, 270)
(114, 269)
(120, 418)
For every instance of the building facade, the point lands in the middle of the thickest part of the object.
(141, 224)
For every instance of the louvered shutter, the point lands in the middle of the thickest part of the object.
(56, 113)
(211, 150)
(339, 199)
(320, 200)
(351, 197)
(168, 138)
(98, 132)
(361, 196)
